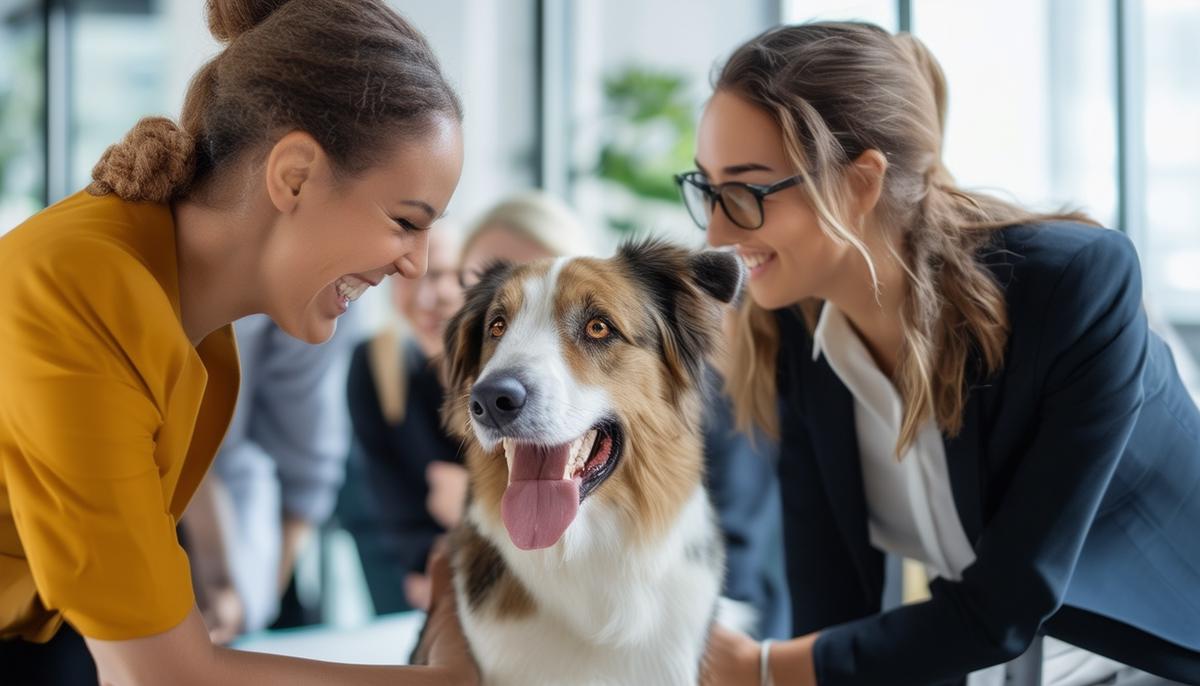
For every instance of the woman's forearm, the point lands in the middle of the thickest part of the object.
(185, 656)
(236, 667)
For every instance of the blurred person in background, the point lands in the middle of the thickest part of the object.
(276, 476)
(395, 400)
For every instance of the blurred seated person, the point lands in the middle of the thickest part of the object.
(275, 478)
(395, 401)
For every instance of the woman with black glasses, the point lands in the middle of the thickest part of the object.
(953, 379)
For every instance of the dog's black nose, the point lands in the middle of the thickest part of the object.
(496, 401)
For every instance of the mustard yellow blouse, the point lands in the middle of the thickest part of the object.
(109, 418)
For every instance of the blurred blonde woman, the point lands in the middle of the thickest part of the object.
(394, 399)
(526, 227)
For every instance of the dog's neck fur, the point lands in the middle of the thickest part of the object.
(599, 588)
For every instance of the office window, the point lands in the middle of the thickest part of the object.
(637, 76)
(22, 111)
(881, 12)
(118, 57)
(1031, 98)
(1170, 241)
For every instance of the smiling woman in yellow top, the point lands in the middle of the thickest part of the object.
(311, 157)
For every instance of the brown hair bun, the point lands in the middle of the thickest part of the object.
(228, 19)
(152, 163)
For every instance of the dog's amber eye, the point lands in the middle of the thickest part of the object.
(498, 327)
(598, 329)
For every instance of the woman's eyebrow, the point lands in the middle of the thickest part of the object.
(736, 169)
(422, 205)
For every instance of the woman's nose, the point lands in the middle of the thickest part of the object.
(721, 232)
(412, 264)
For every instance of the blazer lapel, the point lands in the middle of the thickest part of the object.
(831, 406)
(963, 455)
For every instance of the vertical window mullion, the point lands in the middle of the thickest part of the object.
(554, 85)
(1130, 106)
(58, 99)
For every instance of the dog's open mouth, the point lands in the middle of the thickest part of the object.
(546, 483)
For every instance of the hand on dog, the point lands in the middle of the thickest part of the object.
(447, 492)
(731, 659)
(223, 613)
(417, 591)
(443, 645)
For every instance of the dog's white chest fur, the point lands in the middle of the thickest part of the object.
(605, 614)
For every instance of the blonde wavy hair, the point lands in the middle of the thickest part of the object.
(837, 90)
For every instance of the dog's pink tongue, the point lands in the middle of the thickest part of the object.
(539, 504)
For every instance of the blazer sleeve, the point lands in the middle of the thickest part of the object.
(1090, 360)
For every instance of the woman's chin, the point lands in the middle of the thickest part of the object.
(314, 328)
(319, 334)
(769, 298)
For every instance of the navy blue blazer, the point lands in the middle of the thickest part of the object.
(1076, 476)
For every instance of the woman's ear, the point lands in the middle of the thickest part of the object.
(866, 180)
(293, 161)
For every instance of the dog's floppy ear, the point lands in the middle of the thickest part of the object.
(463, 342)
(718, 273)
(687, 291)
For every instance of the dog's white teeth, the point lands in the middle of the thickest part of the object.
(509, 449)
(573, 461)
(589, 439)
(581, 449)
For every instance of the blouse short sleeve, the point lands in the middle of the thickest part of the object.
(79, 424)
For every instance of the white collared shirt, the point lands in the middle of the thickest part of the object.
(910, 504)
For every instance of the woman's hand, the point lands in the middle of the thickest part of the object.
(443, 645)
(417, 591)
(223, 613)
(447, 492)
(731, 660)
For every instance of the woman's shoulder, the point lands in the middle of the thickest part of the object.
(92, 267)
(1039, 253)
(84, 235)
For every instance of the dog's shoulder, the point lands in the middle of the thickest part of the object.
(487, 583)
